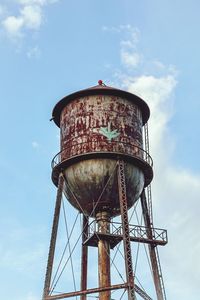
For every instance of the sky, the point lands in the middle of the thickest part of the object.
(50, 48)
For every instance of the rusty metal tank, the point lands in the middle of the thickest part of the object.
(98, 127)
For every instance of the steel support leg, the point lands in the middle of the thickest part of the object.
(53, 238)
(84, 257)
(125, 228)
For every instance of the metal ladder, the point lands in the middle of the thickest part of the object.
(160, 274)
(150, 217)
(148, 189)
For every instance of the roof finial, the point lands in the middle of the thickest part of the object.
(100, 82)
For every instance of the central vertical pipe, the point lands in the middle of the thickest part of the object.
(103, 222)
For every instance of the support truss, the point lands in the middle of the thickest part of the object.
(125, 228)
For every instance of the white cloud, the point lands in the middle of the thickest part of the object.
(13, 26)
(30, 17)
(175, 189)
(158, 92)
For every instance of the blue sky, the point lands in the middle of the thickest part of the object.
(51, 48)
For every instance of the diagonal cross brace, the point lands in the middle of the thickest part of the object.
(142, 293)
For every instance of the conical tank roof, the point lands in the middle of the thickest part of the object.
(100, 89)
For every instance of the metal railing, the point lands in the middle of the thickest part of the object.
(99, 147)
(135, 231)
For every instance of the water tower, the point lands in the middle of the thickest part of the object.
(103, 168)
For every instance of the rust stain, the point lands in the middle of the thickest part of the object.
(82, 119)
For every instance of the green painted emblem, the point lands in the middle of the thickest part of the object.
(107, 132)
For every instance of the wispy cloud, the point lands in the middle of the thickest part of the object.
(34, 53)
(31, 297)
(22, 255)
(35, 144)
(2, 10)
(38, 2)
(28, 296)
(29, 18)
(17, 250)
(127, 28)
(25, 258)
(130, 57)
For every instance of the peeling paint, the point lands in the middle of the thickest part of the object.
(83, 119)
